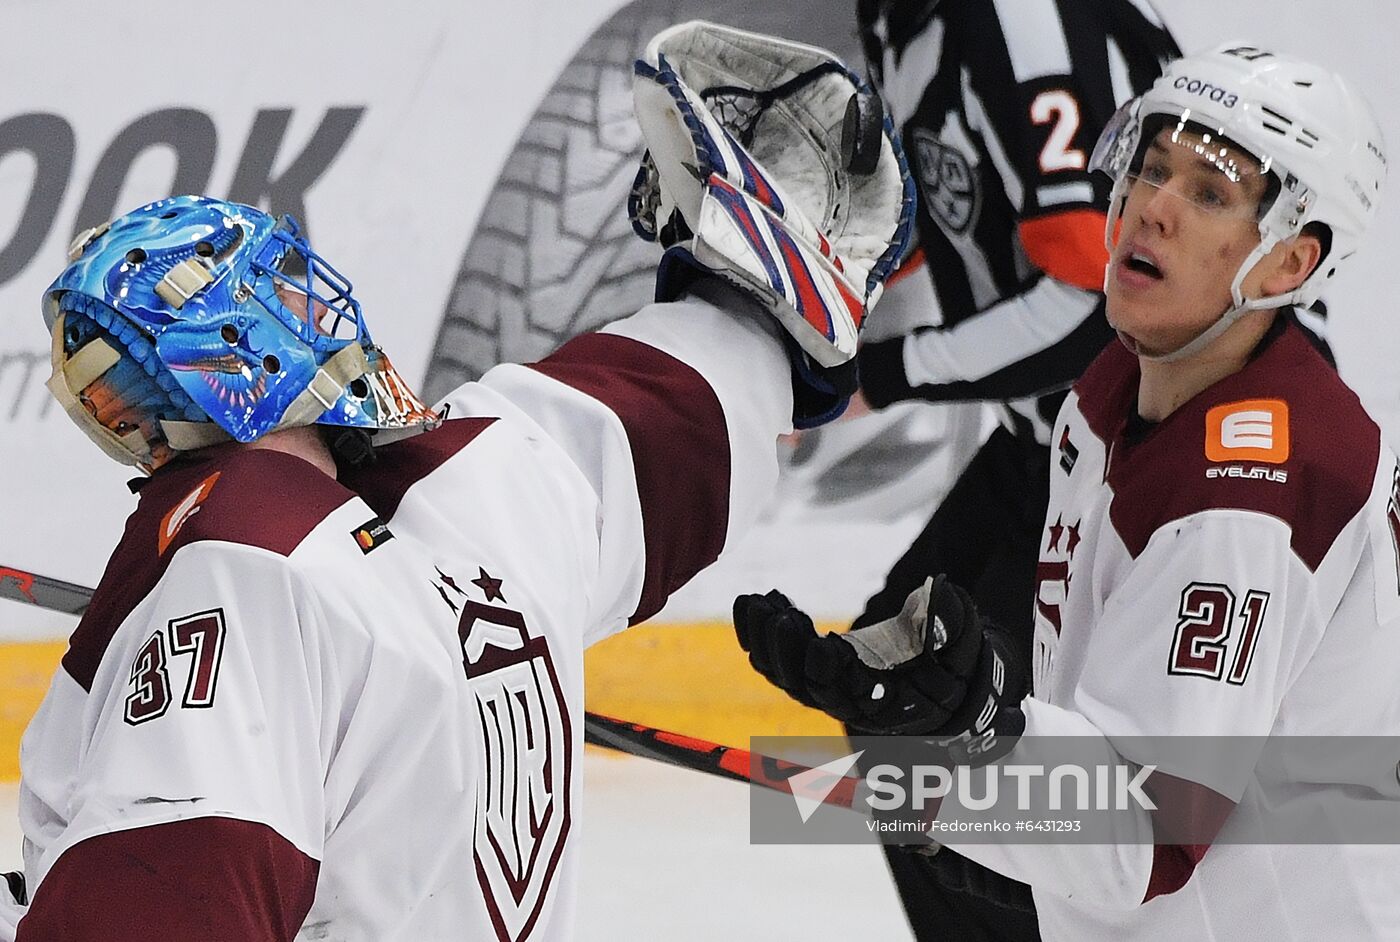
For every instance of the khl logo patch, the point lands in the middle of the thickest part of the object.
(948, 182)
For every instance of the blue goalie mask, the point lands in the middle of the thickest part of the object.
(193, 321)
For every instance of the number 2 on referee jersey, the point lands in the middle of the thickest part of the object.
(1060, 108)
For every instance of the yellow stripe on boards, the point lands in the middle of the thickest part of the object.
(686, 678)
(25, 671)
(696, 680)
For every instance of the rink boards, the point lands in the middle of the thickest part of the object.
(688, 678)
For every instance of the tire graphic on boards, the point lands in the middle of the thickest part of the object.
(554, 255)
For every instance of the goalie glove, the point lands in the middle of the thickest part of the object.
(771, 165)
(936, 670)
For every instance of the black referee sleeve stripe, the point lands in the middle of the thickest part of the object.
(1053, 368)
(882, 376)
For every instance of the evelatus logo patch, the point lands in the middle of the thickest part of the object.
(1250, 430)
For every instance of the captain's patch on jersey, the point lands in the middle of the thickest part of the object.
(371, 535)
(1250, 430)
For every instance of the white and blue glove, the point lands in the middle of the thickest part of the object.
(771, 165)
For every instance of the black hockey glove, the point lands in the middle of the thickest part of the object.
(989, 721)
(935, 669)
(959, 874)
(14, 885)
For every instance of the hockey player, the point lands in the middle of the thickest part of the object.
(330, 687)
(1219, 553)
(999, 105)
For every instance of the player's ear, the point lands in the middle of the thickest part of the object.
(1292, 261)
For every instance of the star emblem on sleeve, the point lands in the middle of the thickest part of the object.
(1073, 540)
(489, 586)
(1057, 530)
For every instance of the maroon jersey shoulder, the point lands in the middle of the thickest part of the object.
(677, 431)
(383, 482)
(1107, 391)
(1284, 436)
(253, 497)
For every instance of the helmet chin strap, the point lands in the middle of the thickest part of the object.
(1239, 309)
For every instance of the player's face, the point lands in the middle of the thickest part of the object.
(321, 318)
(1188, 224)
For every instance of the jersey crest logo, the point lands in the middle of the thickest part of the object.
(1052, 572)
(522, 814)
(1069, 454)
(180, 514)
(1392, 516)
(1250, 430)
(1052, 579)
(948, 182)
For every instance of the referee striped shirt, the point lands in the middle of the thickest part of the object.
(1000, 103)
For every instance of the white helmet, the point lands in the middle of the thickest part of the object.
(1317, 140)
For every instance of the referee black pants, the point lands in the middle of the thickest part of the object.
(985, 536)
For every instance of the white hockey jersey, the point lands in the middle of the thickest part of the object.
(1230, 571)
(353, 710)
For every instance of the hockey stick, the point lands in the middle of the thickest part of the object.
(724, 761)
(634, 739)
(52, 594)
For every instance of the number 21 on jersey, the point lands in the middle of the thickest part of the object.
(1202, 643)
